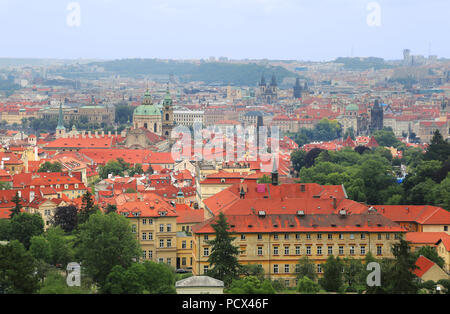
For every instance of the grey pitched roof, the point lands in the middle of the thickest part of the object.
(199, 281)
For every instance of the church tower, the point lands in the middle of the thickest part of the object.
(167, 115)
(60, 129)
(297, 89)
(376, 117)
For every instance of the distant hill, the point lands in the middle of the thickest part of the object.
(363, 63)
(208, 72)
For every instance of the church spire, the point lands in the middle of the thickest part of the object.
(60, 129)
(274, 171)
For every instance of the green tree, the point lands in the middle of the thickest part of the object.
(306, 269)
(61, 251)
(250, 285)
(354, 274)
(307, 286)
(87, 208)
(386, 138)
(17, 269)
(66, 217)
(332, 276)
(264, 179)
(40, 248)
(50, 167)
(17, 207)
(255, 270)
(5, 229)
(298, 159)
(399, 278)
(105, 241)
(24, 226)
(223, 257)
(430, 253)
(110, 208)
(439, 149)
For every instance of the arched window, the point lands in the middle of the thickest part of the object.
(167, 117)
(155, 128)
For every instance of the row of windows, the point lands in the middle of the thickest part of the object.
(150, 222)
(319, 236)
(160, 260)
(319, 250)
(183, 244)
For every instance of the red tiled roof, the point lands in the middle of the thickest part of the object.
(423, 265)
(421, 214)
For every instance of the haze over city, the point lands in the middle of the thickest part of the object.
(255, 29)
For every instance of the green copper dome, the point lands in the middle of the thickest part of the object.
(147, 110)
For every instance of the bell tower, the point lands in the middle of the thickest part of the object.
(167, 114)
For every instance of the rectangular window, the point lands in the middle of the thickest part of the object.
(205, 237)
(297, 268)
(363, 250)
(297, 250)
(275, 236)
(319, 250)
(150, 221)
(169, 228)
(330, 236)
(330, 250)
(133, 228)
(205, 269)
(352, 236)
(286, 250)
(259, 250)
(242, 237)
(144, 254)
(341, 250)
(205, 251)
(169, 243)
(379, 250)
(144, 221)
(308, 250)
(161, 243)
(150, 255)
(341, 236)
(169, 261)
(275, 250)
(379, 236)
(319, 236)
(308, 236)
(319, 268)
(363, 236)
(387, 236)
(144, 236)
(297, 236)
(286, 236)
(286, 268)
(275, 269)
(183, 261)
(183, 244)
(160, 260)
(150, 235)
(352, 250)
(161, 228)
(259, 236)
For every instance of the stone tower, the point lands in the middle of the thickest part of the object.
(167, 115)
(376, 117)
(60, 129)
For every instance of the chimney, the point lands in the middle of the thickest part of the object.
(103, 133)
(334, 202)
(96, 134)
(109, 133)
(89, 134)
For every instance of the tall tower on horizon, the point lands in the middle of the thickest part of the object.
(167, 114)
(60, 128)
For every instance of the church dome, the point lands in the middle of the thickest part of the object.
(147, 110)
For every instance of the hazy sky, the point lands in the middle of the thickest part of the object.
(275, 29)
